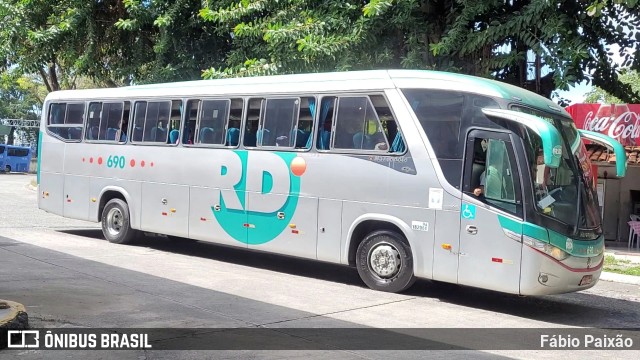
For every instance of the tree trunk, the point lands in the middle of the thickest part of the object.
(11, 136)
(53, 76)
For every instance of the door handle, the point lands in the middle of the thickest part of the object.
(472, 229)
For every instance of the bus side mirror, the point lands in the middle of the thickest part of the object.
(611, 143)
(551, 140)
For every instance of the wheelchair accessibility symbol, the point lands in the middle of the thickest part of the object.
(468, 212)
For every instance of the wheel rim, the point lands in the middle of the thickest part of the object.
(115, 221)
(384, 260)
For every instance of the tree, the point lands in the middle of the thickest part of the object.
(62, 40)
(21, 97)
(180, 43)
(490, 38)
(598, 95)
(109, 42)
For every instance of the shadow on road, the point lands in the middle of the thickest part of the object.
(574, 309)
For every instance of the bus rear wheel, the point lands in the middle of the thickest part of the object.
(116, 222)
(384, 262)
(7, 169)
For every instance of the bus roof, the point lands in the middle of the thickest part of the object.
(318, 83)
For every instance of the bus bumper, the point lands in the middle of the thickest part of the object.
(543, 275)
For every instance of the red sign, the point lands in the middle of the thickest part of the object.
(620, 121)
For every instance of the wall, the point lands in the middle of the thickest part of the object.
(628, 183)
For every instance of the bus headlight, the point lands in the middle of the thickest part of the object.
(546, 248)
(555, 252)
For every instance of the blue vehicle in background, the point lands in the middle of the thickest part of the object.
(14, 158)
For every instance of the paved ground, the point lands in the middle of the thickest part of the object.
(67, 275)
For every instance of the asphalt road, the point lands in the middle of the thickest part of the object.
(67, 275)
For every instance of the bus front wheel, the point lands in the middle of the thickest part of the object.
(384, 262)
(116, 222)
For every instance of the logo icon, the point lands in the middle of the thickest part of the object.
(21, 339)
(258, 193)
(569, 245)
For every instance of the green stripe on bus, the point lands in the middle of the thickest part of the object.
(39, 156)
(524, 228)
(535, 231)
(510, 224)
(579, 248)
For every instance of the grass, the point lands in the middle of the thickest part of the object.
(625, 267)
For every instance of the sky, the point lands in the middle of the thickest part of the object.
(576, 93)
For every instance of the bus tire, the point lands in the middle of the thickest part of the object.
(384, 262)
(116, 222)
(7, 169)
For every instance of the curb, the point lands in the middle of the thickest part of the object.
(13, 316)
(620, 278)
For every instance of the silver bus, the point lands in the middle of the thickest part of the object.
(403, 174)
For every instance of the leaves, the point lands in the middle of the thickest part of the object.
(540, 45)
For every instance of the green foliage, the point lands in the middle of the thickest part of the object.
(489, 38)
(598, 95)
(597, 7)
(111, 42)
(309, 36)
(63, 40)
(119, 42)
(178, 43)
(21, 97)
(626, 267)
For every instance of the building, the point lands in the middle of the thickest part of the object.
(619, 198)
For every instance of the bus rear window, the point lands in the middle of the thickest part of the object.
(65, 120)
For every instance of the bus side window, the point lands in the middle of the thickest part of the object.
(235, 119)
(139, 114)
(189, 135)
(325, 122)
(252, 122)
(156, 121)
(111, 121)
(278, 123)
(302, 132)
(93, 121)
(124, 127)
(56, 114)
(174, 124)
(491, 173)
(358, 126)
(65, 120)
(498, 173)
(214, 115)
(478, 174)
(389, 124)
(75, 115)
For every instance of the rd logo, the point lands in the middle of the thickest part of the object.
(258, 193)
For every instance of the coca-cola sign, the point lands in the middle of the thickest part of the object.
(620, 121)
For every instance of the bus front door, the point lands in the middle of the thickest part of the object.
(490, 229)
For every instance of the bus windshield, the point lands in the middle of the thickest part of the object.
(560, 191)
